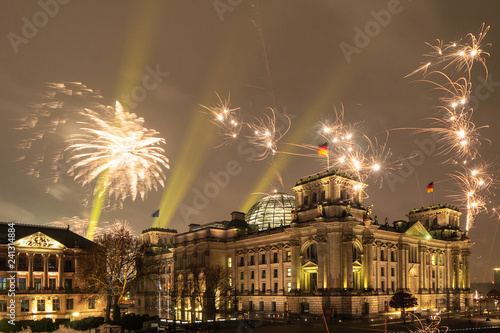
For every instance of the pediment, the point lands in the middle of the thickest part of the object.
(418, 230)
(39, 240)
(310, 264)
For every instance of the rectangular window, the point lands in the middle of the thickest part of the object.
(252, 275)
(52, 265)
(382, 255)
(56, 305)
(433, 258)
(275, 257)
(68, 284)
(37, 283)
(52, 284)
(288, 272)
(263, 261)
(263, 273)
(263, 290)
(242, 288)
(21, 264)
(68, 267)
(21, 283)
(262, 306)
(382, 285)
(392, 285)
(37, 264)
(242, 275)
(3, 283)
(242, 261)
(40, 305)
(275, 273)
(393, 256)
(229, 262)
(25, 305)
(382, 271)
(392, 271)
(288, 256)
(288, 287)
(92, 303)
(252, 288)
(3, 306)
(250, 305)
(275, 287)
(252, 260)
(69, 304)
(273, 306)
(433, 274)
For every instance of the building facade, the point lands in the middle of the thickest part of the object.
(333, 258)
(46, 273)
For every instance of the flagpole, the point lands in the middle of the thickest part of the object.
(327, 161)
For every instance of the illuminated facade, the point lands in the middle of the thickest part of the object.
(46, 262)
(334, 257)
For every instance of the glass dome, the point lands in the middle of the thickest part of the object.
(271, 211)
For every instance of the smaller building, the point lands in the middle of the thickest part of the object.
(46, 273)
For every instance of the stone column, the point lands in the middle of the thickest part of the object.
(268, 270)
(30, 270)
(59, 271)
(368, 263)
(422, 250)
(296, 266)
(45, 283)
(466, 272)
(347, 261)
(322, 259)
(281, 270)
(456, 268)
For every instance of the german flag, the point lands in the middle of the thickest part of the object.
(430, 187)
(323, 149)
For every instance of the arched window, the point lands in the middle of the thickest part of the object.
(312, 252)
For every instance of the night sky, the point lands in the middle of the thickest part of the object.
(282, 54)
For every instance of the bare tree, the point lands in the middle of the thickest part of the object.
(216, 289)
(117, 263)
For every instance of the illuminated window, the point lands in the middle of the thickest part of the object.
(288, 287)
(21, 284)
(288, 272)
(25, 305)
(229, 262)
(56, 305)
(3, 283)
(288, 256)
(433, 259)
(69, 304)
(37, 283)
(40, 305)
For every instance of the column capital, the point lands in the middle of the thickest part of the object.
(348, 238)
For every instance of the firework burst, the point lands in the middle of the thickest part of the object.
(53, 116)
(114, 145)
(265, 134)
(454, 128)
(226, 118)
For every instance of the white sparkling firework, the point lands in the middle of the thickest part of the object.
(226, 118)
(265, 134)
(454, 127)
(115, 145)
(52, 117)
(80, 226)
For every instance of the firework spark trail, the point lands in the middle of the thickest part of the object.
(264, 132)
(116, 153)
(459, 137)
(44, 129)
(226, 118)
(80, 226)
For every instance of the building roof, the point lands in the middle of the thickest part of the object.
(271, 211)
(430, 208)
(63, 235)
(325, 174)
